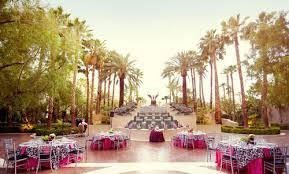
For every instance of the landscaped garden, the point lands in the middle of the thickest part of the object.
(82, 89)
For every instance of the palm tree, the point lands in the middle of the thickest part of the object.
(231, 29)
(228, 88)
(79, 29)
(201, 69)
(231, 69)
(223, 85)
(124, 68)
(168, 73)
(113, 89)
(211, 45)
(194, 58)
(180, 64)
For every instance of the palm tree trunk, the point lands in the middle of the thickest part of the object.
(217, 95)
(104, 92)
(92, 95)
(50, 111)
(10, 115)
(193, 90)
(264, 99)
(73, 105)
(98, 100)
(244, 103)
(228, 87)
(87, 93)
(108, 91)
(200, 90)
(121, 91)
(233, 95)
(211, 85)
(113, 87)
(184, 89)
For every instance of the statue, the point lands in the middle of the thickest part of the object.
(153, 99)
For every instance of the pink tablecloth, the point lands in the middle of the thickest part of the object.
(200, 144)
(105, 144)
(253, 167)
(156, 136)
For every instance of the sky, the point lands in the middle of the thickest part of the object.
(152, 31)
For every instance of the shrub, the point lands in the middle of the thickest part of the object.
(202, 115)
(281, 126)
(251, 130)
(57, 130)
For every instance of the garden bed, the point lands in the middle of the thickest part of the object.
(251, 130)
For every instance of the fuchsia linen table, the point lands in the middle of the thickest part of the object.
(249, 157)
(198, 138)
(60, 149)
(105, 141)
(156, 136)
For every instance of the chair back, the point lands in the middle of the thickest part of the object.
(210, 141)
(8, 144)
(280, 154)
(11, 153)
(45, 149)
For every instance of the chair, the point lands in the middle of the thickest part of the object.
(210, 143)
(278, 162)
(78, 151)
(8, 145)
(45, 154)
(15, 160)
(118, 142)
(189, 140)
(228, 159)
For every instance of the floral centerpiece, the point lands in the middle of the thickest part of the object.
(111, 131)
(52, 136)
(45, 138)
(250, 139)
(48, 137)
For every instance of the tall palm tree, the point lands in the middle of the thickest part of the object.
(231, 69)
(124, 68)
(212, 45)
(113, 89)
(79, 29)
(201, 69)
(232, 29)
(168, 73)
(180, 64)
(194, 58)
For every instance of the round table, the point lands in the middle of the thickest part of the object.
(60, 148)
(107, 140)
(156, 136)
(185, 139)
(247, 155)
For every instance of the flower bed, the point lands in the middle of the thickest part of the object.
(251, 130)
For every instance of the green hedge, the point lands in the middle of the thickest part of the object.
(282, 126)
(57, 130)
(251, 130)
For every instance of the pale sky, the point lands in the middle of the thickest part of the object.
(154, 30)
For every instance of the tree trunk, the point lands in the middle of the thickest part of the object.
(108, 91)
(211, 85)
(217, 96)
(50, 111)
(264, 99)
(73, 105)
(233, 95)
(98, 100)
(92, 95)
(121, 91)
(200, 90)
(193, 90)
(244, 103)
(184, 89)
(87, 94)
(113, 87)
(104, 92)
(10, 116)
(228, 88)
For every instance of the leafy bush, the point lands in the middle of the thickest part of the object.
(57, 130)
(251, 130)
(282, 126)
(202, 117)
